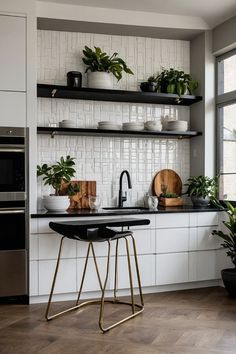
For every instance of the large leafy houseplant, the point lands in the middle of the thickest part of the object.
(99, 61)
(201, 189)
(176, 81)
(55, 175)
(229, 243)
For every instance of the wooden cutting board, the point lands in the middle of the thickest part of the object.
(168, 178)
(80, 199)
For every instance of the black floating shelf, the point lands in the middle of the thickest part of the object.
(116, 133)
(56, 91)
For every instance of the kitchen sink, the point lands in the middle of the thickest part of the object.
(124, 209)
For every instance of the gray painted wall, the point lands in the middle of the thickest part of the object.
(202, 67)
(224, 36)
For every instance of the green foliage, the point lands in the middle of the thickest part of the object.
(229, 239)
(96, 60)
(72, 189)
(202, 186)
(60, 172)
(176, 81)
(165, 194)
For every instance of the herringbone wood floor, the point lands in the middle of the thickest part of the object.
(194, 321)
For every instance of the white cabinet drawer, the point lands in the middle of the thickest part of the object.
(203, 265)
(13, 53)
(201, 238)
(171, 268)
(172, 240)
(13, 108)
(204, 219)
(172, 220)
(49, 247)
(66, 277)
(146, 267)
(91, 282)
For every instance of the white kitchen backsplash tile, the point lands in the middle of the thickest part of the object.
(103, 158)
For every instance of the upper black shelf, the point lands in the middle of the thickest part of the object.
(57, 91)
(116, 133)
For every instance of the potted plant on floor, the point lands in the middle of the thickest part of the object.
(100, 67)
(201, 189)
(62, 171)
(229, 243)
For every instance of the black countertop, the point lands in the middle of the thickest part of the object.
(102, 212)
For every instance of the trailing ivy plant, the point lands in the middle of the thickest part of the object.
(97, 60)
(55, 175)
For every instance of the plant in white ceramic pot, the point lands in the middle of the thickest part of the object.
(55, 175)
(100, 66)
(201, 189)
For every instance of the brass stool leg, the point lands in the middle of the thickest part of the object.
(137, 271)
(54, 281)
(96, 266)
(116, 270)
(104, 289)
(84, 272)
(130, 274)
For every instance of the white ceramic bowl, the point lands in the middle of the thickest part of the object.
(137, 126)
(153, 125)
(56, 202)
(177, 125)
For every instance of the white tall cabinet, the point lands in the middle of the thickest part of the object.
(13, 65)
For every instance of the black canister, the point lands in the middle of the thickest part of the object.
(74, 79)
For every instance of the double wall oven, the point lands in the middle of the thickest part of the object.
(13, 211)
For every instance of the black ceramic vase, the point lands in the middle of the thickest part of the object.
(74, 79)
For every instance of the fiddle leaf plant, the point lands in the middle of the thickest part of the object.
(55, 175)
(97, 60)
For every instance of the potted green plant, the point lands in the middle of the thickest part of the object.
(100, 65)
(201, 189)
(55, 175)
(229, 243)
(176, 82)
(150, 85)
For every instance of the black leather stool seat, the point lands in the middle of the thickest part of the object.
(99, 234)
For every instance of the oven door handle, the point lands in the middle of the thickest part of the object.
(12, 211)
(8, 149)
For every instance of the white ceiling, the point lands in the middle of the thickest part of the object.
(212, 12)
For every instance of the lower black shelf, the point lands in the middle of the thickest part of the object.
(116, 133)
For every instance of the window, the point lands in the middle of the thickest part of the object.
(226, 122)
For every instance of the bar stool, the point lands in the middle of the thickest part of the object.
(97, 231)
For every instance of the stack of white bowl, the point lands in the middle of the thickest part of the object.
(153, 125)
(107, 125)
(67, 123)
(137, 126)
(177, 125)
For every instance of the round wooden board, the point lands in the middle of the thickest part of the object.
(169, 178)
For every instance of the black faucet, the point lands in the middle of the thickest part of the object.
(122, 198)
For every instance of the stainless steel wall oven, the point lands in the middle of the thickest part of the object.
(13, 214)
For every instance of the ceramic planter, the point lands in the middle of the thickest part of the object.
(148, 86)
(56, 202)
(229, 280)
(100, 80)
(200, 201)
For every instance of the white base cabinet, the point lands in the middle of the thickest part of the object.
(173, 249)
